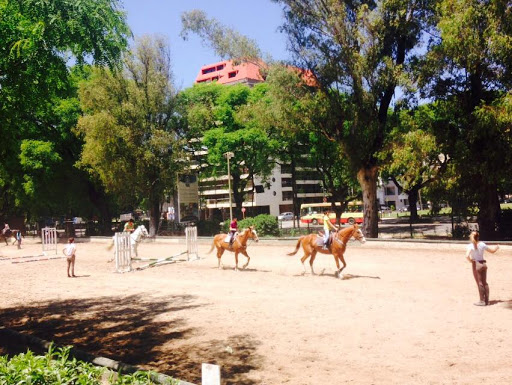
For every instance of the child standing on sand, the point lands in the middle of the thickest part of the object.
(69, 251)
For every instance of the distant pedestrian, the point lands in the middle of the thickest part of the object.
(70, 253)
(129, 226)
(475, 254)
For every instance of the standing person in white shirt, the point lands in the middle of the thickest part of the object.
(475, 254)
(69, 251)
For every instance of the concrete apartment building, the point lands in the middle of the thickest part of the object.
(208, 197)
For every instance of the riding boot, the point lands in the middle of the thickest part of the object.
(481, 292)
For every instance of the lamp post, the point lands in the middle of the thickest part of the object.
(228, 156)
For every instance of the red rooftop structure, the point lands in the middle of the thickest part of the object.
(225, 72)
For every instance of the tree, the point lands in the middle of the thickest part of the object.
(131, 142)
(360, 50)
(296, 114)
(218, 117)
(468, 65)
(413, 157)
(228, 43)
(38, 98)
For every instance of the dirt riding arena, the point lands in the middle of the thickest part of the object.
(403, 314)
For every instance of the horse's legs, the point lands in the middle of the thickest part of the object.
(220, 251)
(302, 260)
(342, 259)
(236, 260)
(311, 260)
(248, 258)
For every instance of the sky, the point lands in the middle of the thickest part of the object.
(256, 19)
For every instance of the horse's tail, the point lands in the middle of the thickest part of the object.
(296, 246)
(213, 245)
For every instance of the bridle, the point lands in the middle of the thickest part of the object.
(358, 235)
(249, 238)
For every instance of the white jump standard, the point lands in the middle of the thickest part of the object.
(49, 239)
(191, 236)
(123, 252)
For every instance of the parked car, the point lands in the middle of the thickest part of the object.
(189, 218)
(385, 209)
(287, 216)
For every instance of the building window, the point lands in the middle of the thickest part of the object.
(208, 70)
(232, 74)
(287, 195)
(286, 182)
(390, 191)
(286, 169)
(215, 78)
(220, 67)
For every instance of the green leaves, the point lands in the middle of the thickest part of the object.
(226, 42)
(129, 134)
(57, 367)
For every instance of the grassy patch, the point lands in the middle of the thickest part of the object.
(58, 367)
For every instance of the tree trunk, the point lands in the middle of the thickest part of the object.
(100, 201)
(154, 217)
(367, 178)
(238, 196)
(295, 195)
(155, 197)
(412, 196)
(489, 212)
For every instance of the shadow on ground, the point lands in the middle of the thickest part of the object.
(146, 332)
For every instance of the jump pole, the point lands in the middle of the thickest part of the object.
(49, 239)
(191, 242)
(123, 252)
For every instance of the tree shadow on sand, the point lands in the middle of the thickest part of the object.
(150, 333)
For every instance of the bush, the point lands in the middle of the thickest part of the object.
(57, 367)
(461, 231)
(265, 225)
(208, 228)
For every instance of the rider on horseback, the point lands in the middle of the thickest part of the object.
(6, 230)
(129, 226)
(328, 226)
(233, 228)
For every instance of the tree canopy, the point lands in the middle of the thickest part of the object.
(38, 39)
(131, 140)
(361, 50)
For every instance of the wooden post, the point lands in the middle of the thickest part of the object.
(210, 374)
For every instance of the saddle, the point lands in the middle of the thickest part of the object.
(320, 239)
(234, 237)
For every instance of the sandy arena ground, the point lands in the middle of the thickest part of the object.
(403, 314)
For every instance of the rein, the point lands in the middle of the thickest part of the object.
(247, 239)
(340, 241)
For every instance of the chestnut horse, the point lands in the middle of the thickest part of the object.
(12, 233)
(239, 245)
(313, 244)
